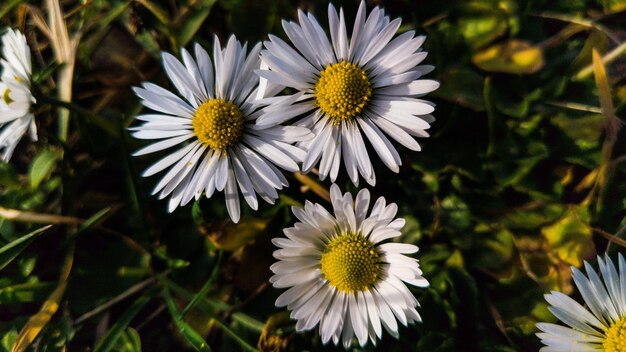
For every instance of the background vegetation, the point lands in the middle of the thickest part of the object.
(523, 177)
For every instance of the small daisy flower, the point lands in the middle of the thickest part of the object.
(599, 327)
(15, 96)
(343, 274)
(220, 148)
(346, 88)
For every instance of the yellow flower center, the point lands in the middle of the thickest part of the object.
(342, 91)
(218, 123)
(616, 337)
(350, 263)
(7, 99)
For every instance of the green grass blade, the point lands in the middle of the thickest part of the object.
(13, 249)
(109, 340)
(192, 336)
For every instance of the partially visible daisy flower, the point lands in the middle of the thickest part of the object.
(219, 145)
(599, 327)
(367, 85)
(343, 274)
(15, 96)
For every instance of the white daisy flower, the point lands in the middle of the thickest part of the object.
(599, 327)
(369, 84)
(343, 274)
(15, 96)
(213, 124)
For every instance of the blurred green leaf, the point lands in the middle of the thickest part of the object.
(570, 236)
(479, 31)
(513, 56)
(41, 167)
(24, 293)
(455, 212)
(613, 6)
(8, 339)
(231, 236)
(585, 131)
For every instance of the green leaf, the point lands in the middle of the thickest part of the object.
(455, 213)
(481, 30)
(513, 56)
(570, 236)
(230, 237)
(116, 331)
(24, 293)
(13, 249)
(585, 131)
(41, 167)
(8, 340)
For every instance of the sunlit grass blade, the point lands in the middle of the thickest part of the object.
(313, 185)
(608, 58)
(37, 218)
(37, 322)
(14, 248)
(606, 101)
(115, 332)
(611, 128)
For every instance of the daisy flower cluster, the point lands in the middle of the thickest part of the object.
(232, 129)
